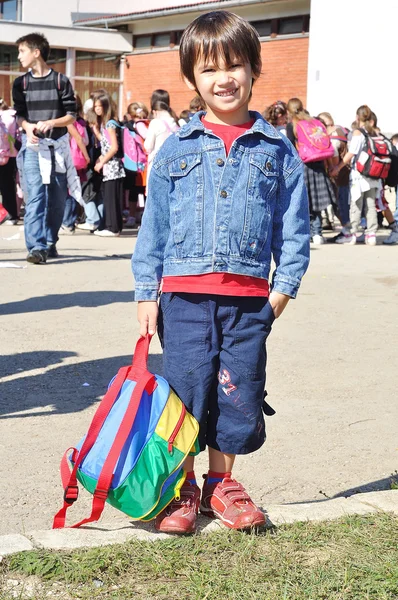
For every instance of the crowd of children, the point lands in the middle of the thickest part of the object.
(114, 196)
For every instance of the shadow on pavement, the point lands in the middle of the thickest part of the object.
(59, 390)
(58, 301)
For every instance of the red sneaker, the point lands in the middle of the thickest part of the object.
(228, 501)
(180, 515)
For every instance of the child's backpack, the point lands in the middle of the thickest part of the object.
(6, 144)
(131, 147)
(313, 142)
(77, 155)
(392, 178)
(135, 447)
(135, 158)
(375, 159)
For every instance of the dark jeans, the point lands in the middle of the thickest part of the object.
(343, 199)
(8, 187)
(214, 357)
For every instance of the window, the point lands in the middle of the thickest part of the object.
(161, 40)
(263, 27)
(8, 10)
(154, 40)
(290, 25)
(85, 88)
(142, 41)
(282, 26)
(97, 64)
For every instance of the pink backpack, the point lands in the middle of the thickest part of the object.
(313, 142)
(77, 156)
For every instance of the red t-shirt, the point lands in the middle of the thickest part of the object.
(221, 284)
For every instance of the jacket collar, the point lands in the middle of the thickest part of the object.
(260, 125)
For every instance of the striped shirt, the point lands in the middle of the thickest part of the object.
(44, 98)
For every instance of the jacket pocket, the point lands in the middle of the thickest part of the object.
(260, 201)
(186, 204)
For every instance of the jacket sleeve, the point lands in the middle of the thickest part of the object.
(18, 98)
(147, 261)
(291, 230)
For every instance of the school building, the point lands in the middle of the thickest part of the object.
(320, 51)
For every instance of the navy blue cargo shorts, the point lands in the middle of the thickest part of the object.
(214, 352)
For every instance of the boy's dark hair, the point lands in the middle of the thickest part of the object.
(215, 34)
(36, 41)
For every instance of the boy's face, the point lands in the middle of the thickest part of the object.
(26, 56)
(225, 88)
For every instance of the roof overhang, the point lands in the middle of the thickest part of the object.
(115, 20)
(81, 38)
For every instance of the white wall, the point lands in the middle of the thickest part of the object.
(353, 59)
(58, 12)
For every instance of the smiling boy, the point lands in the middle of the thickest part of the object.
(226, 193)
(45, 105)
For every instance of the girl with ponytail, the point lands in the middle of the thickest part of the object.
(164, 122)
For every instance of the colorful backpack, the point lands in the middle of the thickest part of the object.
(135, 447)
(6, 144)
(131, 147)
(375, 159)
(313, 142)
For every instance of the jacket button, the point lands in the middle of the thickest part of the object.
(223, 194)
(268, 166)
(220, 162)
(183, 164)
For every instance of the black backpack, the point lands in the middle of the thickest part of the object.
(392, 178)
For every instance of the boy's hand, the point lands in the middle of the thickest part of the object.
(45, 126)
(30, 128)
(147, 314)
(278, 302)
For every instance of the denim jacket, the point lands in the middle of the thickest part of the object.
(211, 213)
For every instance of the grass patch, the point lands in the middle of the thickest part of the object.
(355, 558)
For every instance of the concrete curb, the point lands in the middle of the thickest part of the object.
(279, 514)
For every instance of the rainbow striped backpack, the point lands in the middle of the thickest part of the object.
(135, 447)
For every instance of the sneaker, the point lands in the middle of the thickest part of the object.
(344, 237)
(318, 240)
(105, 233)
(130, 223)
(180, 515)
(392, 238)
(87, 226)
(37, 257)
(52, 252)
(228, 501)
(64, 230)
(370, 239)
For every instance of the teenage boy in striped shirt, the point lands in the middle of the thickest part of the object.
(45, 105)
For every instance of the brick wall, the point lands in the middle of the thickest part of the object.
(284, 75)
